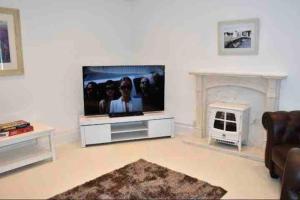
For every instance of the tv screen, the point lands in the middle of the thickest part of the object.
(123, 89)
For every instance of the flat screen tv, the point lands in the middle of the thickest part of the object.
(123, 89)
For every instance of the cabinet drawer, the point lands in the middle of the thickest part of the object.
(97, 134)
(225, 136)
(160, 128)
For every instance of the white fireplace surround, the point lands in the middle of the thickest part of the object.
(261, 91)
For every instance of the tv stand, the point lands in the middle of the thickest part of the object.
(103, 129)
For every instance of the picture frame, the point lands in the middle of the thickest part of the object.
(11, 58)
(238, 37)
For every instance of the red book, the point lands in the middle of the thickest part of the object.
(20, 130)
(13, 125)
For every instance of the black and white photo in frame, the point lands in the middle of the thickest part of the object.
(239, 37)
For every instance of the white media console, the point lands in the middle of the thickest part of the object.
(103, 129)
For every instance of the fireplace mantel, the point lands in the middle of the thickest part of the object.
(241, 74)
(266, 85)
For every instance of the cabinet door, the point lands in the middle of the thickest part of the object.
(95, 134)
(160, 127)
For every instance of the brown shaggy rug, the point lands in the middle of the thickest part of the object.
(143, 180)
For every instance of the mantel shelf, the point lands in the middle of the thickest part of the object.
(240, 74)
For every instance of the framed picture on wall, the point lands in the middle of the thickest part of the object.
(11, 59)
(239, 37)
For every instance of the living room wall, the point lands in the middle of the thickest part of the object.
(182, 34)
(58, 38)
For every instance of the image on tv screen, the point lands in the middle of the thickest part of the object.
(123, 89)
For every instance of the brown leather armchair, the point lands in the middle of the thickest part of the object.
(282, 155)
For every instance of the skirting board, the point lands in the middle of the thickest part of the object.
(72, 136)
(63, 137)
(183, 129)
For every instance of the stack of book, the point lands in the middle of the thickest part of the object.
(15, 128)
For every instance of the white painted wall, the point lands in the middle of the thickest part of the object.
(58, 38)
(182, 34)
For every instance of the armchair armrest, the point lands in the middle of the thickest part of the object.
(291, 176)
(275, 123)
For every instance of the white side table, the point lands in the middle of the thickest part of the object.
(14, 155)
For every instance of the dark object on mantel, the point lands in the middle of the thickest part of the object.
(124, 114)
(282, 155)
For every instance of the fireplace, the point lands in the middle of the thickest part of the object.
(260, 91)
(228, 123)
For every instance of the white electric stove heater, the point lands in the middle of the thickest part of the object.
(228, 123)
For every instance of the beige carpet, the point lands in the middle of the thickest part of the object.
(143, 180)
